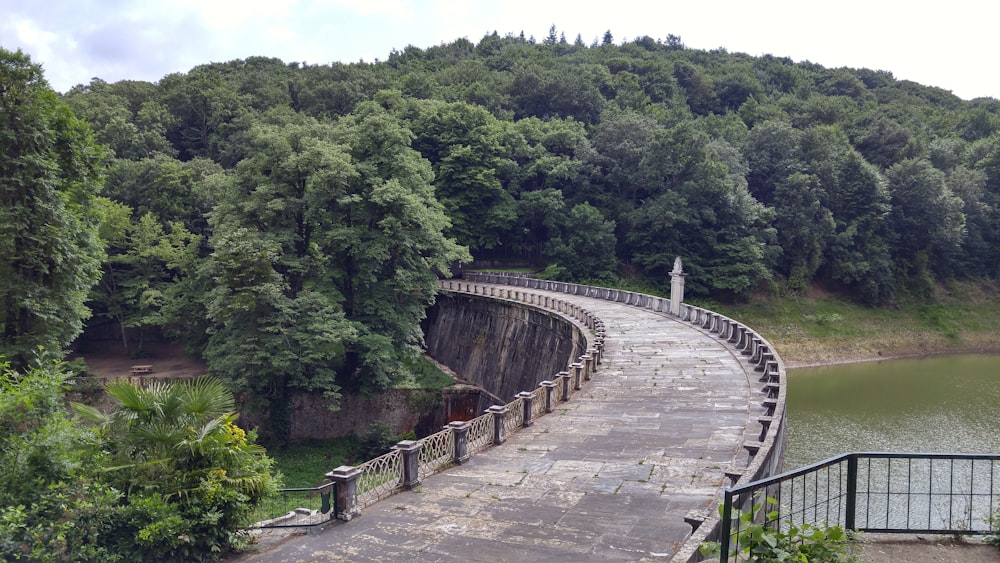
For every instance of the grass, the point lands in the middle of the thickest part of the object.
(426, 375)
(820, 328)
(304, 464)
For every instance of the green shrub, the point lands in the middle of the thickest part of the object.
(773, 541)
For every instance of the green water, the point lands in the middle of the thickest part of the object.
(937, 404)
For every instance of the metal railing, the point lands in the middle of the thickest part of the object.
(380, 477)
(437, 452)
(872, 492)
(297, 507)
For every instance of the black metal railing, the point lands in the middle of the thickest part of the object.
(872, 492)
(298, 507)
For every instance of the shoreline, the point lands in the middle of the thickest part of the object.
(800, 364)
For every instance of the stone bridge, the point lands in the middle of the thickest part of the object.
(630, 466)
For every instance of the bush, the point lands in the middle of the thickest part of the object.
(377, 440)
(190, 478)
(774, 541)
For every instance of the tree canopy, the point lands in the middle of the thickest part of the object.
(288, 222)
(49, 250)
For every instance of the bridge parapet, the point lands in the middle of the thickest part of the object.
(765, 453)
(614, 471)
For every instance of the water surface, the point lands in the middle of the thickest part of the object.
(936, 404)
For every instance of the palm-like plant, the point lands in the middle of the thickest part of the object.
(177, 442)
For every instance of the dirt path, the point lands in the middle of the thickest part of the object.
(168, 360)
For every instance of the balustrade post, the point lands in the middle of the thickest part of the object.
(461, 432)
(499, 413)
(346, 478)
(564, 377)
(527, 397)
(588, 364)
(577, 375)
(550, 391)
(410, 451)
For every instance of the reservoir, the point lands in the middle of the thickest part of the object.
(934, 404)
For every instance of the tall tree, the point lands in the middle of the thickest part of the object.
(327, 246)
(927, 221)
(49, 249)
(586, 248)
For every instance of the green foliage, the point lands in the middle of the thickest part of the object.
(303, 464)
(377, 439)
(49, 251)
(762, 538)
(189, 478)
(425, 374)
(586, 249)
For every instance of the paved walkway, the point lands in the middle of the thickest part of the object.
(610, 475)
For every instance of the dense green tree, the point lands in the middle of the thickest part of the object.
(277, 320)
(703, 212)
(126, 117)
(49, 249)
(927, 222)
(143, 263)
(394, 247)
(464, 146)
(859, 254)
(171, 190)
(772, 153)
(803, 227)
(327, 247)
(585, 250)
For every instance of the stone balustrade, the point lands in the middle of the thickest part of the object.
(766, 453)
(410, 461)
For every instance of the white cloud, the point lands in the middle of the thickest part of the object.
(392, 8)
(136, 39)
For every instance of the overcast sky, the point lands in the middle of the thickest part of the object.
(950, 45)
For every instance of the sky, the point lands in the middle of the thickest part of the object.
(949, 45)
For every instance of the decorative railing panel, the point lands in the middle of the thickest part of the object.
(380, 478)
(437, 452)
(514, 419)
(537, 402)
(481, 433)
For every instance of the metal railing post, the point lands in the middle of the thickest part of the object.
(725, 526)
(852, 491)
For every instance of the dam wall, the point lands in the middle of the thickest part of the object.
(501, 346)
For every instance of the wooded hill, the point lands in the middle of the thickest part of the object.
(288, 221)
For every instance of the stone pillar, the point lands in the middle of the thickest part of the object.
(346, 478)
(577, 375)
(410, 451)
(461, 431)
(676, 287)
(527, 398)
(550, 391)
(588, 364)
(563, 379)
(499, 413)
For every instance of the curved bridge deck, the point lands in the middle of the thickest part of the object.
(610, 475)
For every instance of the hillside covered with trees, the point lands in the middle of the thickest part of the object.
(288, 222)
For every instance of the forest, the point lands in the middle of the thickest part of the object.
(288, 222)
